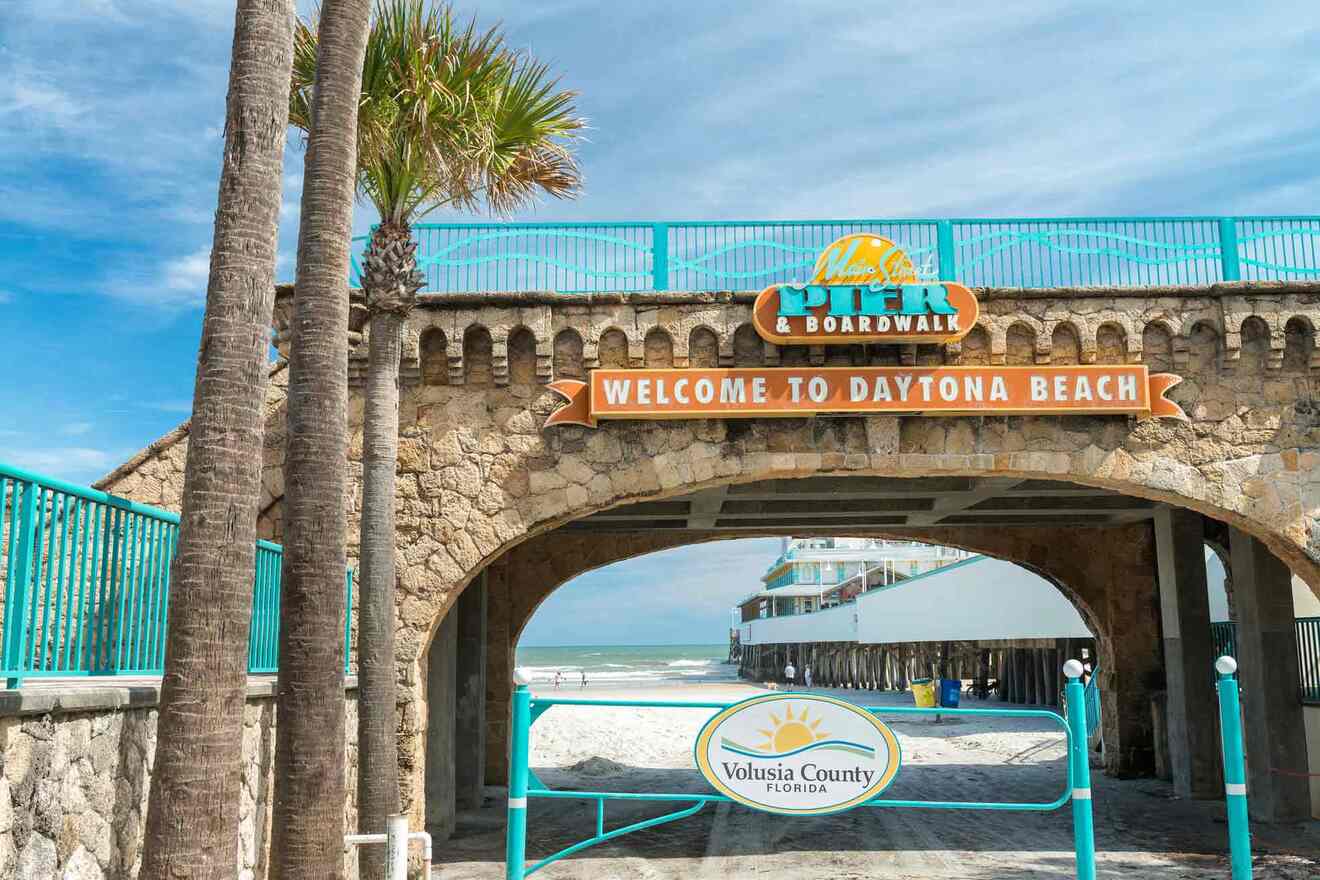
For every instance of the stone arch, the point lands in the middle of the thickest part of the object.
(703, 348)
(748, 347)
(1203, 349)
(1255, 343)
(1065, 344)
(976, 347)
(568, 362)
(1299, 344)
(612, 350)
(478, 367)
(433, 352)
(1111, 343)
(1157, 347)
(522, 357)
(658, 349)
(1020, 344)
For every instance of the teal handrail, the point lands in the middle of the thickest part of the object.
(1033, 252)
(86, 583)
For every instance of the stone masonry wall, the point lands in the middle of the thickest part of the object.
(478, 475)
(74, 784)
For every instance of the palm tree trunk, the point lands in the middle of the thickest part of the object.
(378, 762)
(192, 817)
(308, 822)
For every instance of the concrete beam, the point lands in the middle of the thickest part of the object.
(1267, 672)
(470, 702)
(1193, 746)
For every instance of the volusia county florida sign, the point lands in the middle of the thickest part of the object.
(1119, 389)
(797, 754)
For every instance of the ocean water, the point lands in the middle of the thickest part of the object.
(613, 665)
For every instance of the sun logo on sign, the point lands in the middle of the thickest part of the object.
(794, 734)
(791, 733)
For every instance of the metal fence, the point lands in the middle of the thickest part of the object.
(1308, 653)
(749, 255)
(87, 583)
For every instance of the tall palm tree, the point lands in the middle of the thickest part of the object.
(308, 820)
(192, 815)
(450, 117)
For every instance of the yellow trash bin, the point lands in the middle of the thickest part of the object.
(923, 693)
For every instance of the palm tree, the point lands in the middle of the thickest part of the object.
(449, 117)
(308, 820)
(192, 816)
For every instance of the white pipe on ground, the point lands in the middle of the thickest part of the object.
(396, 838)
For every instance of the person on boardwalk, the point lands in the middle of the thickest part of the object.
(806, 676)
(790, 674)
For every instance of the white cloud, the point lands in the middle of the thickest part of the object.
(77, 464)
(187, 275)
(76, 429)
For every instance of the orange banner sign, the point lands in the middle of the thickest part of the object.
(749, 393)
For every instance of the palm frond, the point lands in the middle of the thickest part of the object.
(450, 116)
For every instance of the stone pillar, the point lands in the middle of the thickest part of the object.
(470, 717)
(441, 693)
(499, 671)
(1191, 707)
(1267, 672)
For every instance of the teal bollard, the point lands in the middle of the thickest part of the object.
(515, 846)
(1235, 772)
(1083, 821)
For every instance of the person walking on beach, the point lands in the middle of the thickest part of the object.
(806, 676)
(584, 679)
(790, 674)
(559, 677)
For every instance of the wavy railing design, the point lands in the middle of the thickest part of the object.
(1026, 252)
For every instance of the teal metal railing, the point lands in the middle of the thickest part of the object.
(1224, 635)
(748, 255)
(86, 583)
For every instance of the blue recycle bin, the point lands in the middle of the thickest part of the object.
(950, 691)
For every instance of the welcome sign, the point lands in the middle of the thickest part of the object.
(864, 289)
(797, 754)
(1119, 389)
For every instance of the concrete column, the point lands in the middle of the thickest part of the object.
(470, 717)
(499, 672)
(1191, 719)
(441, 692)
(1267, 672)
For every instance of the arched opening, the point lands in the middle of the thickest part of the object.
(477, 357)
(1037, 523)
(703, 348)
(612, 351)
(658, 349)
(434, 355)
(568, 355)
(522, 357)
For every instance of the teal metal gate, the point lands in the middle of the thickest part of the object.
(524, 785)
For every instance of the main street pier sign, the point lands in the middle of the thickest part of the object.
(797, 754)
(752, 392)
(864, 288)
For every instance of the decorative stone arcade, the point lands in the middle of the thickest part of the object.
(496, 511)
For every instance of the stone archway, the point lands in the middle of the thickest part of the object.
(478, 475)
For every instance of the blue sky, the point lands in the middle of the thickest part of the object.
(110, 132)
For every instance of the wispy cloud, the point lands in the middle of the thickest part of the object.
(77, 464)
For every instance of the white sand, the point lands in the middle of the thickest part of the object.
(1142, 831)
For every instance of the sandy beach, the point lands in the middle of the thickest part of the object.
(1142, 831)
